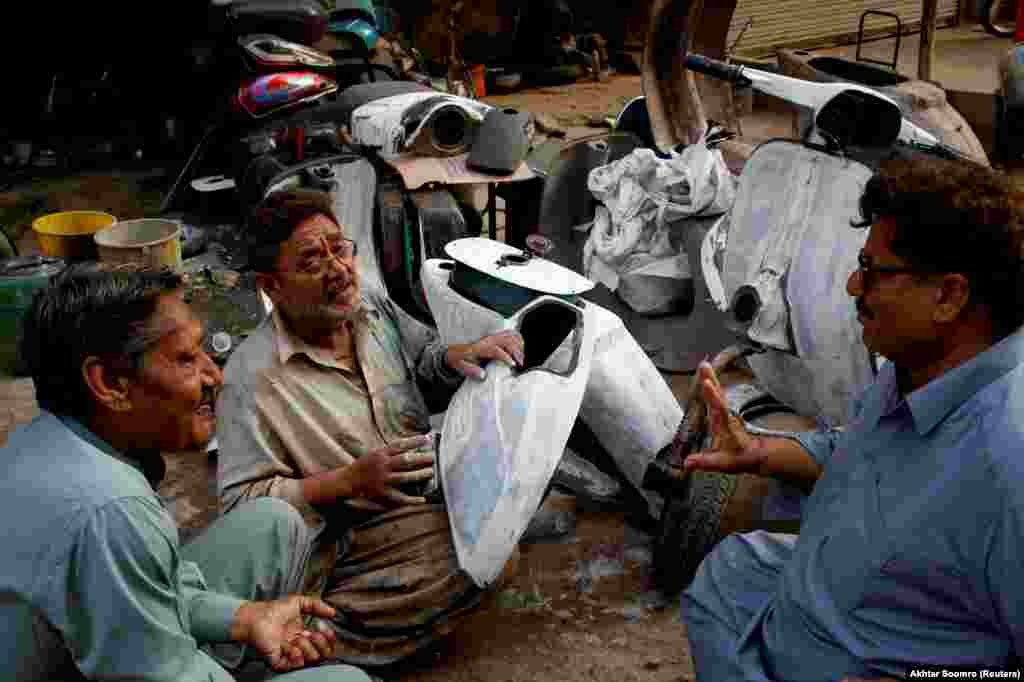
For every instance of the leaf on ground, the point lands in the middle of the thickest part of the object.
(516, 600)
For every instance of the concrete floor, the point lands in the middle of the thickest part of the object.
(966, 57)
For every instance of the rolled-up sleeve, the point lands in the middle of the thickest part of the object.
(135, 609)
(820, 444)
(253, 469)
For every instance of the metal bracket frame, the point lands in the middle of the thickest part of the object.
(898, 35)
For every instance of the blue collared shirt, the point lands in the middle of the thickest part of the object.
(911, 550)
(90, 574)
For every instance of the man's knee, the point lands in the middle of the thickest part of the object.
(276, 522)
(705, 589)
(737, 578)
(270, 515)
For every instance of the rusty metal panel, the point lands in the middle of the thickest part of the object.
(798, 23)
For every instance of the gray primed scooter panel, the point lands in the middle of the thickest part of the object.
(807, 254)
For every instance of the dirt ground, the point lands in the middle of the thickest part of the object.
(580, 607)
(576, 104)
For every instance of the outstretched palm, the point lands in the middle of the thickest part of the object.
(731, 448)
(278, 632)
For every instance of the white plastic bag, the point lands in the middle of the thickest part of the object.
(643, 198)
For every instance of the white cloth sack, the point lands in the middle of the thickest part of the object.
(637, 228)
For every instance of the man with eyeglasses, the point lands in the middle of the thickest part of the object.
(912, 540)
(322, 407)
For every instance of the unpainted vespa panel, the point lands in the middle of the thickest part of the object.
(780, 262)
(503, 436)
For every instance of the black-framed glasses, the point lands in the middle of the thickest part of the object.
(870, 272)
(343, 249)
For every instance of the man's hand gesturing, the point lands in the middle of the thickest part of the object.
(733, 449)
(276, 629)
(376, 475)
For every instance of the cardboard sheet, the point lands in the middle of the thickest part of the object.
(417, 171)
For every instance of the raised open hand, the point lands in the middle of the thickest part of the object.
(733, 449)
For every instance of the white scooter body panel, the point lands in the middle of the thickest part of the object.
(393, 124)
(503, 436)
(789, 237)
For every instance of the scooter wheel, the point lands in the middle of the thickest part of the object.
(690, 529)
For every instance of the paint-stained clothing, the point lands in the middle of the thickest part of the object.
(289, 410)
(910, 548)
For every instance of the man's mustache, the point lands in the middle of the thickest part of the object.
(209, 395)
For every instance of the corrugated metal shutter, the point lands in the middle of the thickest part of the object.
(804, 23)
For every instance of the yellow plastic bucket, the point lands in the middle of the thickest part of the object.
(69, 234)
(148, 241)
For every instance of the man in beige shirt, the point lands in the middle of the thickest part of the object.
(321, 403)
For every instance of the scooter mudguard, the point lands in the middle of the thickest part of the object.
(503, 436)
(778, 263)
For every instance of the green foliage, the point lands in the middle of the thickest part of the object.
(516, 600)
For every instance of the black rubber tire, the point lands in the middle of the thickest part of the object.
(990, 11)
(690, 530)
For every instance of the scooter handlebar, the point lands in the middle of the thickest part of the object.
(715, 68)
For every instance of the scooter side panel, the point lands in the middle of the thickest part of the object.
(791, 227)
(503, 436)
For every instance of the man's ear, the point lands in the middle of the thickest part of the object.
(952, 297)
(108, 388)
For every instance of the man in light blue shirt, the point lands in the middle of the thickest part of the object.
(912, 541)
(93, 583)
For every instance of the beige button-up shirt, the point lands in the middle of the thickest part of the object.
(289, 410)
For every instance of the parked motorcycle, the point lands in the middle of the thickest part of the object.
(274, 92)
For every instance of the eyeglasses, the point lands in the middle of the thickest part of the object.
(342, 249)
(869, 272)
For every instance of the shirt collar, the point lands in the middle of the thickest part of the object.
(931, 403)
(289, 344)
(149, 463)
(881, 398)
